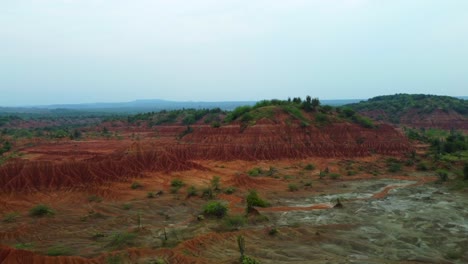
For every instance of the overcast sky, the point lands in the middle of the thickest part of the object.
(76, 51)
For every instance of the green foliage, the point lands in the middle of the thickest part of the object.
(136, 185)
(443, 175)
(422, 166)
(11, 217)
(208, 193)
(309, 167)
(94, 198)
(234, 221)
(24, 246)
(253, 200)
(215, 183)
(249, 260)
(395, 106)
(236, 113)
(255, 171)
(191, 191)
(150, 195)
(393, 165)
(273, 231)
(230, 190)
(177, 183)
(215, 208)
(59, 250)
(121, 240)
(41, 210)
(334, 176)
(465, 172)
(293, 187)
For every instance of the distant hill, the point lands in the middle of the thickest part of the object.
(416, 110)
(140, 106)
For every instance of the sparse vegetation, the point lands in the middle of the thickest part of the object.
(215, 208)
(121, 240)
(136, 185)
(309, 167)
(293, 187)
(191, 191)
(254, 200)
(41, 210)
(11, 217)
(59, 250)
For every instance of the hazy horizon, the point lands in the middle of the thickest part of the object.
(89, 51)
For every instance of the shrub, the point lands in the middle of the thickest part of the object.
(308, 184)
(40, 210)
(443, 175)
(465, 172)
(136, 185)
(273, 231)
(215, 183)
(25, 246)
(215, 208)
(94, 198)
(177, 183)
(293, 187)
(422, 166)
(310, 167)
(234, 221)
(255, 171)
(10, 217)
(230, 190)
(334, 176)
(254, 200)
(394, 167)
(121, 240)
(150, 195)
(191, 191)
(59, 250)
(208, 193)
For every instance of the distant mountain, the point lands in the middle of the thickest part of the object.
(417, 110)
(147, 105)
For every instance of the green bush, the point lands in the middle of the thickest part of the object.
(177, 183)
(215, 208)
(10, 217)
(254, 200)
(310, 167)
(255, 171)
(41, 210)
(94, 198)
(191, 191)
(234, 221)
(136, 185)
(121, 240)
(208, 193)
(215, 183)
(230, 190)
(59, 250)
(334, 176)
(293, 187)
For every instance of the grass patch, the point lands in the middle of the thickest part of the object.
(121, 240)
(293, 187)
(11, 217)
(24, 246)
(59, 250)
(136, 185)
(41, 210)
(215, 208)
(309, 167)
(94, 198)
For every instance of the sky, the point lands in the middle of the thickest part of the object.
(82, 51)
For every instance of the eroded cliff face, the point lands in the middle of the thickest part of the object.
(233, 142)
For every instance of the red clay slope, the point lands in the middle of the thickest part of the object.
(269, 141)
